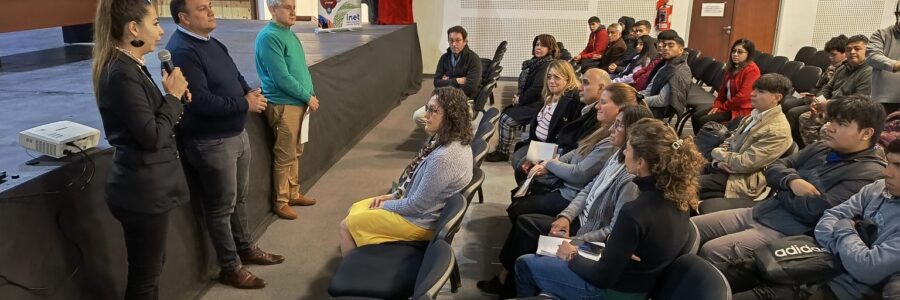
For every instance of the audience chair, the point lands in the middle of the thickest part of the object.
(495, 75)
(763, 60)
(389, 271)
(501, 50)
(805, 54)
(694, 237)
(479, 175)
(482, 97)
(458, 206)
(691, 277)
(821, 60)
(775, 65)
(493, 115)
(436, 267)
(790, 68)
(699, 67)
(479, 151)
(701, 99)
(692, 54)
(484, 128)
(474, 186)
(805, 79)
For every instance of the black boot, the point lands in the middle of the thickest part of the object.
(497, 156)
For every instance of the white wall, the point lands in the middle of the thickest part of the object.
(797, 24)
(303, 8)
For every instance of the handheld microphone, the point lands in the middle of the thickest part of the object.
(166, 59)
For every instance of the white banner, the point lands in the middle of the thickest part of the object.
(335, 15)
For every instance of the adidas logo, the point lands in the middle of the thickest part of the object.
(796, 250)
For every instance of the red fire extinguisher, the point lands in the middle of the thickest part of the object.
(663, 15)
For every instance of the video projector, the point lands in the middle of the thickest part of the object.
(56, 139)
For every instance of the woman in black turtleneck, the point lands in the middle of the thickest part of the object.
(651, 232)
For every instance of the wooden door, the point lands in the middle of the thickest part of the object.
(711, 31)
(756, 20)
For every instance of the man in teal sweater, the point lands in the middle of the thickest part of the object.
(286, 83)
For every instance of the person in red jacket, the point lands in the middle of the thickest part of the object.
(733, 98)
(596, 45)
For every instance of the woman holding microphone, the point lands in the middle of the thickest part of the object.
(146, 180)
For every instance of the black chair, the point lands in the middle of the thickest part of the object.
(775, 65)
(699, 99)
(692, 54)
(699, 67)
(694, 237)
(790, 68)
(820, 59)
(805, 79)
(479, 151)
(498, 54)
(691, 277)
(763, 60)
(389, 270)
(481, 98)
(436, 267)
(805, 54)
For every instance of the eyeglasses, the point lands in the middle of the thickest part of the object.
(431, 110)
(618, 125)
(738, 52)
(457, 41)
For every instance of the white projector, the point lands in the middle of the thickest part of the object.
(56, 139)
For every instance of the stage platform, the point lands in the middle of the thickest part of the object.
(60, 242)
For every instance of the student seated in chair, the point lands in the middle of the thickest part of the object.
(459, 67)
(806, 184)
(733, 97)
(735, 177)
(868, 261)
(442, 168)
(649, 234)
(668, 89)
(590, 216)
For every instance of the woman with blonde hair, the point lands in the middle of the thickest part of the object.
(442, 168)
(146, 180)
(649, 234)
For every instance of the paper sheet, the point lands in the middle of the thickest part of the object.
(540, 151)
(547, 246)
(523, 189)
(304, 128)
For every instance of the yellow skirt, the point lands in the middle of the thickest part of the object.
(376, 226)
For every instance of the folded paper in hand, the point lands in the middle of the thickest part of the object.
(523, 189)
(540, 151)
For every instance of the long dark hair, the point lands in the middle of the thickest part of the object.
(548, 41)
(649, 51)
(457, 124)
(109, 29)
(747, 45)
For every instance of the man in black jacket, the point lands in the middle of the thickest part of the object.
(805, 184)
(460, 67)
(214, 139)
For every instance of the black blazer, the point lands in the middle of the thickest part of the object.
(568, 109)
(146, 175)
(530, 100)
(572, 132)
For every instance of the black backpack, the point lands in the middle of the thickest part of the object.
(796, 260)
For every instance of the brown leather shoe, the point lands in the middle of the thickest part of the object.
(302, 201)
(241, 278)
(255, 256)
(284, 211)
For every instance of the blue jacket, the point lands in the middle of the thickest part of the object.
(864, 267)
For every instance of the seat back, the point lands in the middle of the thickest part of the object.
(775, 65)
(699, 67)
(482, 97)
(805, 79)
(710, 73)
(790, 151)
(692, 54)
(492, 114)
(805, 54)
(694, 239)
(820, 59)
(717, 76)
(763, 60)
(479, 151)
(498, 54)
(790, 68)
(484, 128)
(477, 180)
(451, 217)
(691, 277)
(435, 271)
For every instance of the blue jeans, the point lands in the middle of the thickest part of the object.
(223, 168)
(549, 275)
